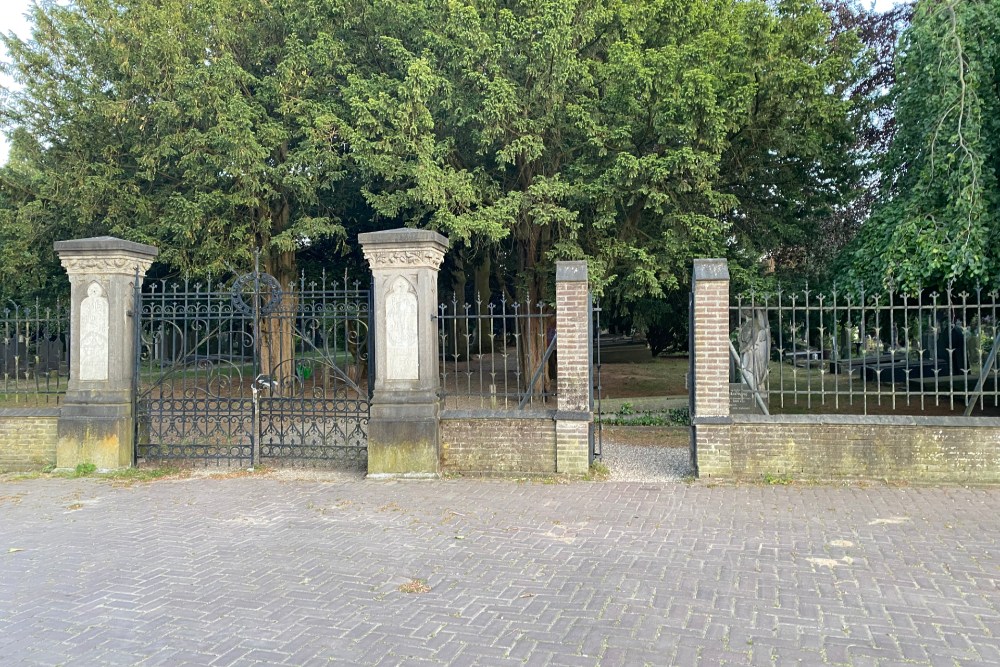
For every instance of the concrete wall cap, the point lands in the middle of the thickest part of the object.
(711, 269)
(405, 237)
(466, 415)
(820, 420)
(101, 244)
(571, 272)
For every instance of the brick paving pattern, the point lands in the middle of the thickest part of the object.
(252, 571)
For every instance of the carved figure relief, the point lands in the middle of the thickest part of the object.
(755, 348)
(94, 334)
(402, 354)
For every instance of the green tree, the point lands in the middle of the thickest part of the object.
(636, 134)
(205, 128)
(802, 162)
(939, 220)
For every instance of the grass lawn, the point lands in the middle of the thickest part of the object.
(664, 376)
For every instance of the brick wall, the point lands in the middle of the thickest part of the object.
(914, 449)
(28, 438)
(498, 444)
(821, 447)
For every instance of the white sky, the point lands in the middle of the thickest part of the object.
(12, 19)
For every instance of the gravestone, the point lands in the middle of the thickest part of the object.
(50, 353)
(14, 357)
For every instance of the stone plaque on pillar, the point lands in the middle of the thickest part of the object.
(96, 422)
(94, 334)
(402, 354)
(403, 423)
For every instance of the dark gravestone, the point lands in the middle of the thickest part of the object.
(50, 353)
(14, 357)
(951, 349)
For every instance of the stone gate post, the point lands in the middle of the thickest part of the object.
(96, 421)
(711, 417)
(403, 422)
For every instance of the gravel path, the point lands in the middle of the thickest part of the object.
(646, 463)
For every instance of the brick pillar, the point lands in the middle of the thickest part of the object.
(573, 413)
(711, 368)
(96, 424)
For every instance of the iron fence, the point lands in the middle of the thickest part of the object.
(885, 352)
(596, 390)
(497, 354)
(34, 354)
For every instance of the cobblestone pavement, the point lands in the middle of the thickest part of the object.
(263, 571)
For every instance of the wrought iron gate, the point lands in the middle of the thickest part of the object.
(253, 372)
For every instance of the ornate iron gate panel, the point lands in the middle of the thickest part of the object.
(253, 372)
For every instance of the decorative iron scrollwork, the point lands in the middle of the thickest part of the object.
(260, 285)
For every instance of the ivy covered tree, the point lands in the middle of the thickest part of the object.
(939, 220)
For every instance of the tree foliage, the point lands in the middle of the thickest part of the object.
(634, 133)
(204, 128)
(939, 221)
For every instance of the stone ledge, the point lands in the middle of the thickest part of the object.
(105, 244)
(453, 415)
(861, 420)
(571, 272)
(712, 421)
(403, 237)
(29, 412)
(711, 269)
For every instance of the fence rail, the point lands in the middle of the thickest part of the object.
(869, 353)
(34, 354)
(497, 354)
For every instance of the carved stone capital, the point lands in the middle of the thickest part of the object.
(404, 248)
(105, 255)
(379, 258)
(120, 264)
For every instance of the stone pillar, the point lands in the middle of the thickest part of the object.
(573, 413)
(96, 422)
(403, 423)
(711, 418)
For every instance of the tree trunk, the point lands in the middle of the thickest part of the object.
(484, 338)
(535, 332)
(457, 333)
(276, 333)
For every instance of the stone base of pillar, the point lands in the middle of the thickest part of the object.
(573, 445)
(403, 439)
(714, 451)
(101, 434)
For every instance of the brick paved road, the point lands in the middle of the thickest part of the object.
(262, 571)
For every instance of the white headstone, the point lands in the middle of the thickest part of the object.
(402, 354)
(94, 335)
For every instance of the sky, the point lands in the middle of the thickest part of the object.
(12, 19)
